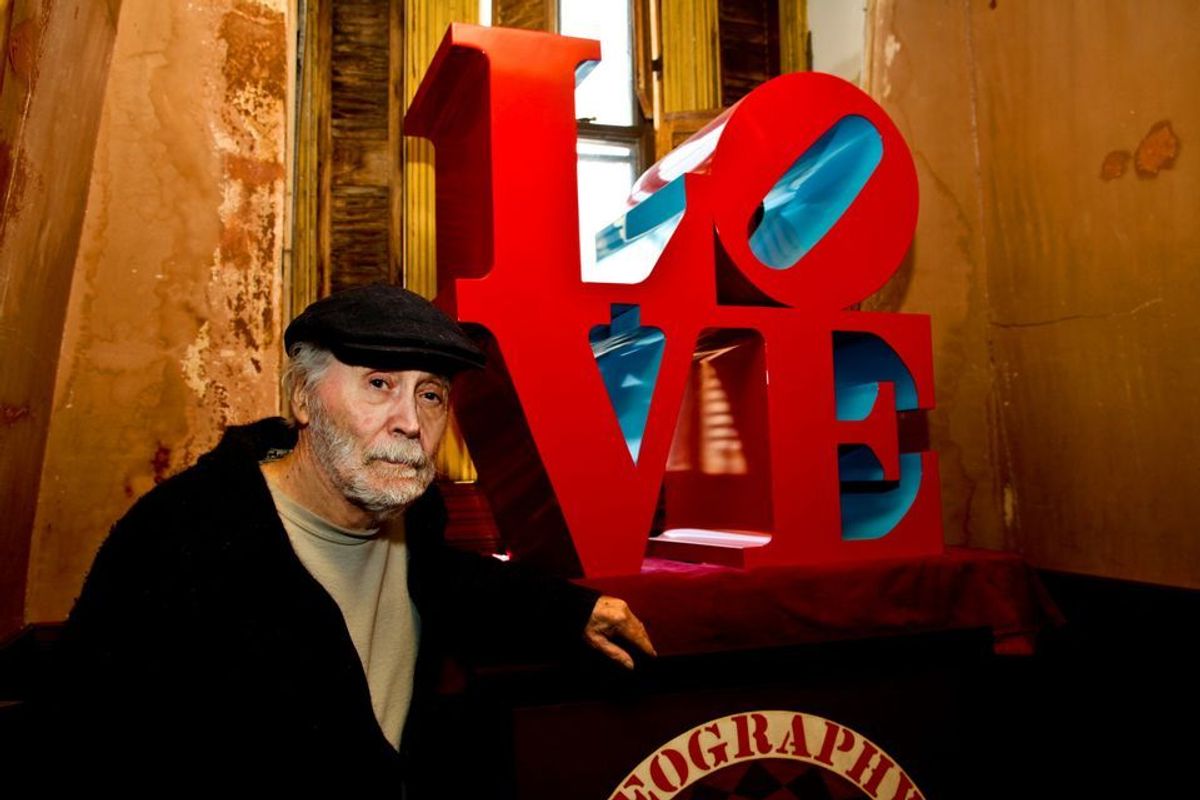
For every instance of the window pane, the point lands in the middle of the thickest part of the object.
(606, 174)
(606, 94)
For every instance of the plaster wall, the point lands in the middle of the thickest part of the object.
(52, 82)
(917, 69)
(836, 28)
(173, 322)
(1057, 251)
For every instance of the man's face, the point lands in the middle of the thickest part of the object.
(375, 432)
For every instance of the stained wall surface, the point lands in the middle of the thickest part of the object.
(1058, 253)
(51, 87)
(917, 68)
(173, 322)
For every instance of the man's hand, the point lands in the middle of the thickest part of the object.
(612, 617)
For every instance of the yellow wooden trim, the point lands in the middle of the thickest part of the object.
(793, 36)
(425, 23)
(691, 56)
(309, 274)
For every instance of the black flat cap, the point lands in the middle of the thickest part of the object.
(385, 327)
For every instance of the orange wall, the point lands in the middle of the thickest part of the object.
(51, 86)
(174, 315)
(1057, 251)
(1060, 280)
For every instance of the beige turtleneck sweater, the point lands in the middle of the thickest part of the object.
(366, 573)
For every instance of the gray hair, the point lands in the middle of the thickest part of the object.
(307, 363)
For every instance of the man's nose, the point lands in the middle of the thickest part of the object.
(404, 421)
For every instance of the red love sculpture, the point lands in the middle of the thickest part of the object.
(730, 398)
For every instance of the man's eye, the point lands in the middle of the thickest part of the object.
(431, 396)
(378, 383)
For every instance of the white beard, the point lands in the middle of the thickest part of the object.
(350, 467)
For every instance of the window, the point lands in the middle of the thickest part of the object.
(613, 131)
(606, 95)
(615, 137)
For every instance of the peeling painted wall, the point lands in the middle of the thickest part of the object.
(51, 87)
(1058, 252)
(174, 318)
(916, 71)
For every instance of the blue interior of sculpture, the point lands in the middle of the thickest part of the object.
(871, 506)
(815, 192)
(629, 355)
(583, 70)
(872, 514)
(632, 243)
(860, 362)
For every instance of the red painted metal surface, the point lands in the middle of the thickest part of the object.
(498, 106)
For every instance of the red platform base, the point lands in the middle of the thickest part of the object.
(703, 608)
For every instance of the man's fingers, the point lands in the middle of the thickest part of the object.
(611, 650)
(635, 632)
(611, 616)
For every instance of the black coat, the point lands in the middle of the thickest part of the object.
(200, 645)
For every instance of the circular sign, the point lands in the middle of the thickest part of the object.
(776, 754)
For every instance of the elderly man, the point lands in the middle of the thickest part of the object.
(262, 610)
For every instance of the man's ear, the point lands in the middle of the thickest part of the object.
(300, 409)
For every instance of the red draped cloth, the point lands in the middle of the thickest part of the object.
(702, 608)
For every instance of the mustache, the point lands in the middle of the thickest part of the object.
(406, 452)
